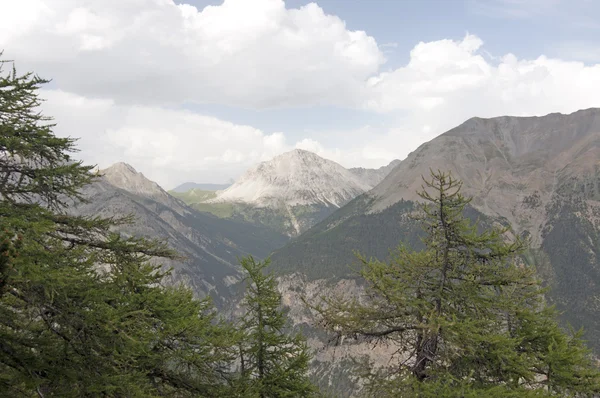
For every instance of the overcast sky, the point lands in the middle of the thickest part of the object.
(200, 90)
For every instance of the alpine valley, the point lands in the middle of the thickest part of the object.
(541, 175)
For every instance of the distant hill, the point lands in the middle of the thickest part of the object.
(186, 186)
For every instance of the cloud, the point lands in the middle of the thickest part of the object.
(247, 53)
(448, 81)
(169, 146)
(123, 68)
(315, 146)
(444, 83)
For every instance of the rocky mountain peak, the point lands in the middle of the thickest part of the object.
(121, 167)
(298, 177)
(124, 176)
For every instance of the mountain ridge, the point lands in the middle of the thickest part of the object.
(374, 176)
(541, 175)
(211, 246)
(289, 193)
(503, 163)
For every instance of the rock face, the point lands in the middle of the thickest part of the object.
(296, 178)
(540, 174)
(211, 245)
(293, 191)
(511, 166)
(123, 176)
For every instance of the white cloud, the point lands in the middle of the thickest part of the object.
(124, 67)
(315, 146)
(249, 53)
(168, 146)
(20, 17)
(447, 82)
(171, 146)
(444, 83)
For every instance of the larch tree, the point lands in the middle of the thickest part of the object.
(82, 309)
(465, 317)
(273, 362)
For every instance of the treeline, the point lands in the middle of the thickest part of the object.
(83, 311)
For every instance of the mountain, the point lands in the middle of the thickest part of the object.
(539, 174)
(374, 176)
(513, 167)
(186, 186)
(295, 178)
(123, 176)
(289, 193)
(210, 245)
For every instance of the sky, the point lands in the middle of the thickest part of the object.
(195, 90)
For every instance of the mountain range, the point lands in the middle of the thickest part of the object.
(290, 193)
(539, 175)
(211, 246)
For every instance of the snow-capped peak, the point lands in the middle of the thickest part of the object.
(298, 177)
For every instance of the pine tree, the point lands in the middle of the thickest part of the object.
(466, 317)
(273, 363)
(82, 309)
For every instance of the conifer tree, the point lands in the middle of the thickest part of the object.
(273, 363)
(82, 310)
(465, 316)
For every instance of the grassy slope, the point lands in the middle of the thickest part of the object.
(277, 220)
(196, 198)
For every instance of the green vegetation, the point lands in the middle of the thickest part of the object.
(272, 363)
(573, 247)
(467, 319)
(277, 220)
(83, 310)
(325, 250)
(221, 210)
(194, 195)
(196, 198)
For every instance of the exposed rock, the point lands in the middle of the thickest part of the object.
(374, 176)
(295, 178)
